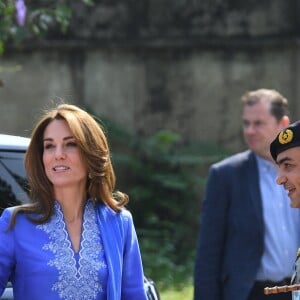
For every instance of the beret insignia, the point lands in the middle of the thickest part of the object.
(288, 137)
(285, 136)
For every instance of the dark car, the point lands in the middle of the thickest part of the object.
(13, 184)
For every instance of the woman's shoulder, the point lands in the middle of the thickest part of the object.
(10, 211)
(7, 212)
(124, 215)
(6, 216)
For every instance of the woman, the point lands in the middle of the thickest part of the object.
(75, 240)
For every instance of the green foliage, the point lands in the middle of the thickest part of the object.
(41, 17)
(183, 293)
(164, 178)
(41, 20)
(7, 27)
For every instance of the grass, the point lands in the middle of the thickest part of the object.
(185, 293)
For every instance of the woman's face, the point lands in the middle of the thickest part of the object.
(62, 158)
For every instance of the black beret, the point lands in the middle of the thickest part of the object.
(287, 138)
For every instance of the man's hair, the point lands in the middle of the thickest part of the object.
(278, 103)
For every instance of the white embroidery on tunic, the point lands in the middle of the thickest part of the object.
(75, 281)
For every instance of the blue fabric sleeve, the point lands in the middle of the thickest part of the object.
(125, 279)
(6, 249)
(132, 277)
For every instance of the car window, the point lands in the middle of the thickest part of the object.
(13, 184)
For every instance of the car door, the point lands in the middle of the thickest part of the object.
(13, 183)
(13, 188)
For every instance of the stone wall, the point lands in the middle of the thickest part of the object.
(150, 65)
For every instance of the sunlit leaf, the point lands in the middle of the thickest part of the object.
(88, 2)
(1, 47)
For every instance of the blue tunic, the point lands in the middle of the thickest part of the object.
(43, 265)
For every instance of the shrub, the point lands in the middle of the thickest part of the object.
(164, 178)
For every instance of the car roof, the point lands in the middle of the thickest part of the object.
(13, 142)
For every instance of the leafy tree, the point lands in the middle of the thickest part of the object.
(28, 19)
(164, 177)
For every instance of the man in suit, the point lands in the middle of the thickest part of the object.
(248, 235)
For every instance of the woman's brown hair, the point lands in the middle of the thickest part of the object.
(93, 144)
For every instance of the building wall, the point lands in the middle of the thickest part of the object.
(188, 77)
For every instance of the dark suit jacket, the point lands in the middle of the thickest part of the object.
(231, 231)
